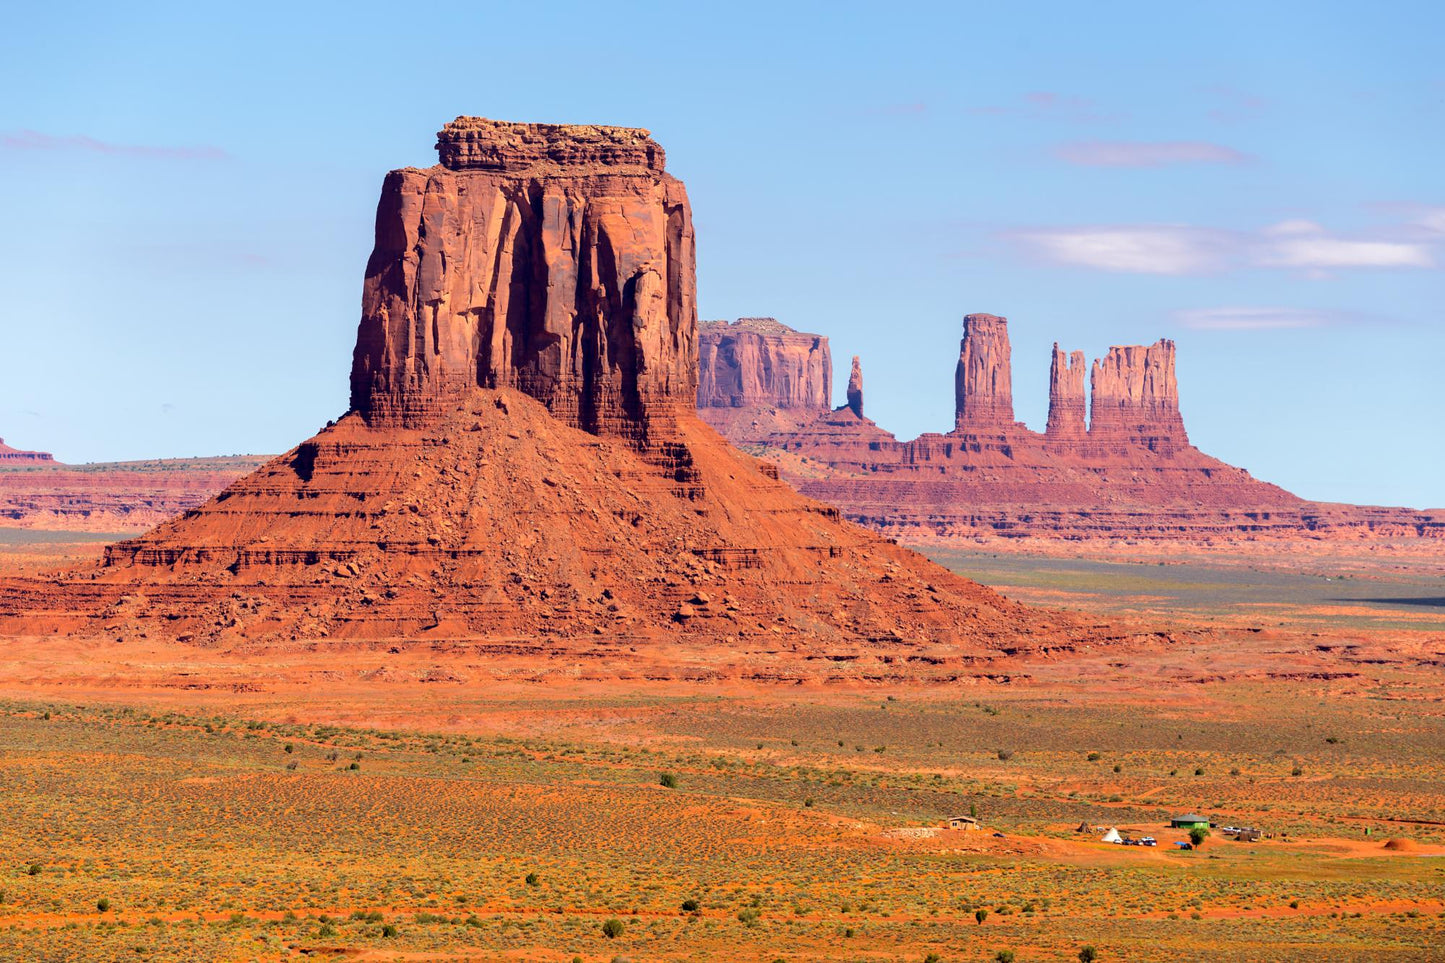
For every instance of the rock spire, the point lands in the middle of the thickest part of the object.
(1066, 396)
(855, 388)
(983, 381)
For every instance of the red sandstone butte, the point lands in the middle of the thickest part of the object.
(756, 376)
(1134, 399)
(1126, 471)
(523, 469)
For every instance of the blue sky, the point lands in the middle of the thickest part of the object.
(189, 194)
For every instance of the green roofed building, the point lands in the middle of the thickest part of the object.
(1189, 821)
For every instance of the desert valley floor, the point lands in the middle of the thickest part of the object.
(170, 802)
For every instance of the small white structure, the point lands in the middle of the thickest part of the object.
(1112, 836)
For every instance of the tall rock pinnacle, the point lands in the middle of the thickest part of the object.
(1134, 398)
(855, 388)
(983, 381)
(554, 259)
(1066, 396)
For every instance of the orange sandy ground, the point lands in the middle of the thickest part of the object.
(804, 819)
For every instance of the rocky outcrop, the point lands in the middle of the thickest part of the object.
(523, 472)
(1067, 416)
(1134, 399)
(855, 388)
(15, 457)
(983, 380)
(757, 362)
(556, 260)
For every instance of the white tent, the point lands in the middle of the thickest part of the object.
(1112, 836)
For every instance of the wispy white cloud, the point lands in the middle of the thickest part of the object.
(1431, 219)
(1305, 244)
(1254, 319)
(1118, 153)
(35, 140)
(1182, 249)
(1144, 249)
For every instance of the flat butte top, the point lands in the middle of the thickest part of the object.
(476, 143)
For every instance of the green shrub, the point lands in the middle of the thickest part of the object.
(980, 915)
(613, 928)
(1095, 756)
(533, 880)
(691, 905)
(388, 930)
(1088, 954)
(103, 905)
(667, 780)
(1004, 956)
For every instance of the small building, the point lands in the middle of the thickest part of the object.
(963, 822)
(1248, 836)
(1189, 821)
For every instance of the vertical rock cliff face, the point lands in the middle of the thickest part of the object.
(983, 381)
(1066, 396)
(759, 362)
(855, 388)
(1134, 399)
(557, 260)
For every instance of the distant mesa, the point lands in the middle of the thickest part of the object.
(523, 463)
(1117, 464)
(15, 457)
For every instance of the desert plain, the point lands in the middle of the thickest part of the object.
(169, 803)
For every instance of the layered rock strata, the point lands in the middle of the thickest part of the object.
(523, 470)
(118, 497)
(17, 458)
